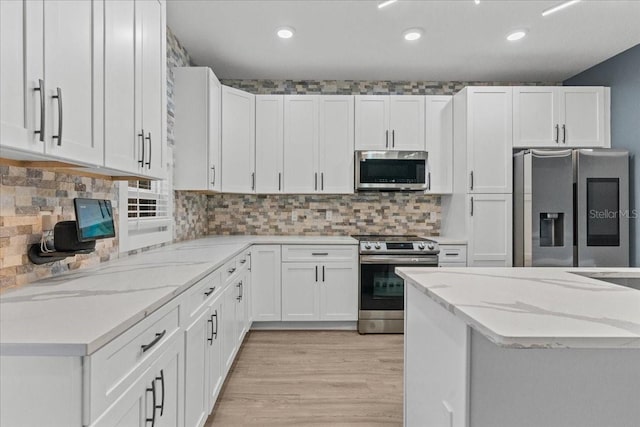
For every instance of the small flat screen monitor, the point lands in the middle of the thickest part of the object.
(94, 218)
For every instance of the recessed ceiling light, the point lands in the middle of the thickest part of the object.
(477, 1)
(386, 3)
(412, 34)
(559, 7)
(285, 32)
(516, 35)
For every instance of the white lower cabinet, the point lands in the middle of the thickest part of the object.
(490, 224)
(313, 291)
(266, 271)
(155, 397)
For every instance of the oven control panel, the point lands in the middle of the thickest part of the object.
(379, 247)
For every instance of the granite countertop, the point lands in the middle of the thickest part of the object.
(537, 307)
(77, 313)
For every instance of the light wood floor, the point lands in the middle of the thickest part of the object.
(321, 378)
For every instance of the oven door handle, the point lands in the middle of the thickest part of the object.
(404, 260)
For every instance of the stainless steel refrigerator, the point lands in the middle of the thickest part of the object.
(571, 208)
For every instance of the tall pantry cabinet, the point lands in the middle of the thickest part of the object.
(480, 206)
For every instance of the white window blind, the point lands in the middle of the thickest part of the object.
(148, 205)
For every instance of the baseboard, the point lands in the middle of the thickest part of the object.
(287, 326)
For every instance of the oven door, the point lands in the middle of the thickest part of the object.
(381, 289)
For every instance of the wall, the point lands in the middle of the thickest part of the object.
(363, 213)
(27, 194)
(622, 74)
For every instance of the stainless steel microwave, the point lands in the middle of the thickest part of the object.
(391, 170)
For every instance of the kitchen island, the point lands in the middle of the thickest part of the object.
(521, 347)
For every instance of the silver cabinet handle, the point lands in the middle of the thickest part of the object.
(141, 160)
(322, 181)
(429, 180)
(319, 253)
(59, 98)
(213, 175)
(386, 144)
(148, 138)
(557, 133)
(315, 186)
(152, 420)
(393, 138)
(564, 134)
(279, 181)
(471, 177)
(231, 270)
(316, 273)
(253, 181)
(472, 206)
(40, 89)
(323, 273)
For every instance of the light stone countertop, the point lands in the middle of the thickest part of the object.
(77, 313)
(537, 307)
(444, 240)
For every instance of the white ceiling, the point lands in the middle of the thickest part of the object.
(354, 40)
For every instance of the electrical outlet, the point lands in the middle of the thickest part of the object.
(294, 216)
(328, 215)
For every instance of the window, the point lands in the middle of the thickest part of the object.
(149, 215)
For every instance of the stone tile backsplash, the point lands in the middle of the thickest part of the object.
(362, 213)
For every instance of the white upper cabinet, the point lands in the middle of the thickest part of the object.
(389, 122)
(123, 148)
(269, 143)
(372, 122)
(489, 139)
(73, 64)
(583, 116)
(151, 81)
(406, 122)
(52, 77)
(238, 141)
(318, 144)
(21, 76)
(301, 144)
(560, 116)
(197, 129)
(439, 143)
(336, 134)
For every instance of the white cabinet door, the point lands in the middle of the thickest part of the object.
(169, 384)
(300, 293)
(131, 409)
(73, 64)
(269, 143)
(238, 141)
(300, 144)
(339, 291)
(197, 129)
(489, 140)
(122, 144)
(21, 69)
(241, 308)
(266, 278)
(214, 131)
(228, 326)
(151, 79)
(535, 117)
(490, 230)
(439, 143)
(406, 122)
(196, 368)
(336, 158)
(215, 365)
(372, 122)
(582, 116)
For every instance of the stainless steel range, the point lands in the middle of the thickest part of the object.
(381, 291)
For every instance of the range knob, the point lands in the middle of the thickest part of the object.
(367, 245)
(431, 246)
(421, 246)
(378, 245)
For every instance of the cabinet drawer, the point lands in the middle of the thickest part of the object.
(318, 253)
(452, 253)
(201, 293)
(113, 368)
